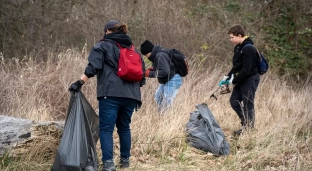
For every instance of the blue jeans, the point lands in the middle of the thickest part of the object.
(166, 93)
(115, 110)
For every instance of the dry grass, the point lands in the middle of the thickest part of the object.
(281, 139)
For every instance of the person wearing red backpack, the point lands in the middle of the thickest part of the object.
(244, 76)
(164, 70)
(117, 97)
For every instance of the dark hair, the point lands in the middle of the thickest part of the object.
(236, 30)
(119, 28)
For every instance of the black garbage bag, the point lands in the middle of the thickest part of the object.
(204, 133)
(77, 148)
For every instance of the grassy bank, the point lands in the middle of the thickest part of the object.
(281, 139)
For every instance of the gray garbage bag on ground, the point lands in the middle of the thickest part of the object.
(77, 148)
(204, 133)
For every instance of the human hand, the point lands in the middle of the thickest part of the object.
(224, 81)
(228, 81)
(76, 86)
(146, 74)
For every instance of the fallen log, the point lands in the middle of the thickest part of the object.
(18, 136)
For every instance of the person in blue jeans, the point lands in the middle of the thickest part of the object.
(164, 70)
(117, 98)
(244, 76)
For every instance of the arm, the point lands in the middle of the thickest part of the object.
(162, 64)
(95, 63)
(143, 81)
(96, 58)
(84, 78)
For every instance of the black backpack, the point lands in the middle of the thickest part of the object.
(179, 61)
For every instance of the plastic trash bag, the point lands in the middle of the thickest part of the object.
(204, 133)
(77, 148)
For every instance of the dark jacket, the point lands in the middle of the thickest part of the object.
(163, 67)
(244, 62)
(103, 62)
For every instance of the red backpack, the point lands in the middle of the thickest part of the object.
(129, 64)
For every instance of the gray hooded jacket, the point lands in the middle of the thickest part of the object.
(163, 67)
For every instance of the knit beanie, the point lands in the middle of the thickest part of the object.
(146, 47)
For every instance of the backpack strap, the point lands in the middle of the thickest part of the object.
(116, 44)
(248, 44)
(171, 63)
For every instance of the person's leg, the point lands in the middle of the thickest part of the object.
(123, 129)
(235, 101)
(108, 109)
(159, 95)
(248, 89)
(170, 91)
(123, 126)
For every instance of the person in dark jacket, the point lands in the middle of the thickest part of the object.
(244, 76)
(117, 97)
(164, 70)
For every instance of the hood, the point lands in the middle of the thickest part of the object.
(155, 50)
(119, 37)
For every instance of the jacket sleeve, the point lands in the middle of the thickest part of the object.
(231, 71)
(143, 81)
(248, 56)
(95, 59)
(162, 66)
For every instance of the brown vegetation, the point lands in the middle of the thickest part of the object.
(280, 141)
(35, 85)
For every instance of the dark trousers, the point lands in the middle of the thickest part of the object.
(115, 111)
(242, 100)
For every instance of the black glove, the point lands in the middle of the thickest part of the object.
(76, 86)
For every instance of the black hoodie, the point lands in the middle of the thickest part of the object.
(244, 62)
(103, 62)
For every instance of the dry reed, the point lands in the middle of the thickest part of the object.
(281, 139)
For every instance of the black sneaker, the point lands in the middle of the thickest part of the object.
(124, 163)
(108, 165)
(238, 132)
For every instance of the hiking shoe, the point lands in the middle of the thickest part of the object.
(124, 163)
(108, 165)
(238, 132)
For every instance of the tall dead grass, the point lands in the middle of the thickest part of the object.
(281, 139)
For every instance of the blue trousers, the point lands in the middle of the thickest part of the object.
(166, 93)
(115, 111)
